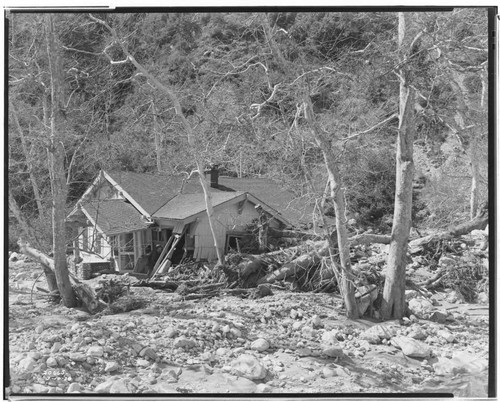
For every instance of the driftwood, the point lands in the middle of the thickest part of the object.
(83, 291)
(479, 223)
(292, 234)
(297, 266)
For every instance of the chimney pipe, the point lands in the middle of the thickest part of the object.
(214, 176)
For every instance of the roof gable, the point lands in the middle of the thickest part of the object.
(294, 209)
(114, 216)
(147, 191)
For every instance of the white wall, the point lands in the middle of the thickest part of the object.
(227, 219)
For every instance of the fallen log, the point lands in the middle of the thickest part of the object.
(479, 223)
(84, 292)
(296, 267)
(369, 238)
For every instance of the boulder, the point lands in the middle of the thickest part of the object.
(420, 306)
(380, 331)
(95, 351)
(416, 332)
(411, 347)
(74, 387)
(333, 351)
(183, 342)
(111, 367)
(460, 363)
(26, 365)
(446, 335)
(260, 345)
(249, 366)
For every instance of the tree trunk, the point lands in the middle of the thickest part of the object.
(393, 303)
(56, 163)
(263, 229)
(85, 293)
(337, 193)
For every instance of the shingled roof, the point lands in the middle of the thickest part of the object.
(295, 210)
(185, 205)
(150, 191)
(173, 197)
(114, 216)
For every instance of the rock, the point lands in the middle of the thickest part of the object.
(171, 332)
(104, 387)
(329, 338)
(446, 335)
(303, 352)
(14, 257)
(222, 351)
(111, 367)
(236, 332)
(95, 351)
(74, 387)
(120, 386)
(316, 322)
(26, 365)
(381, 331)
(460, 363)
(333, 351)
(411, 347)
(294, 314)
(260, 345)
(39, 388)
(417, 333)
(226, 329)
(35, 355)
(370, 338)
(438, 316)
(263, 389)
(454, 297)
(143, 363)
(39, 329)
(51, 362)
(55, 347)
(148, 352)
(420, 306)
(249, 366)
(77, 357)
(328, 372)
(183, 342)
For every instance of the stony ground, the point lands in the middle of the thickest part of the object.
(288, 342)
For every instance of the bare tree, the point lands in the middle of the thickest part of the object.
(56, 164)
(393, 303)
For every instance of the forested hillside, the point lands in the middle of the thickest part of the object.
(241, 80)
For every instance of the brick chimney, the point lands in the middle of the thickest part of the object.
(214, 176)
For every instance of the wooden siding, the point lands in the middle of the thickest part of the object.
(105, 191)
(230, 219)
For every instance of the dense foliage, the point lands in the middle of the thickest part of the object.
(228, 71)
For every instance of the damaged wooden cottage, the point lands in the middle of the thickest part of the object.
(143, 223)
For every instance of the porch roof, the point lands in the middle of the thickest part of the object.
(114, 216)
